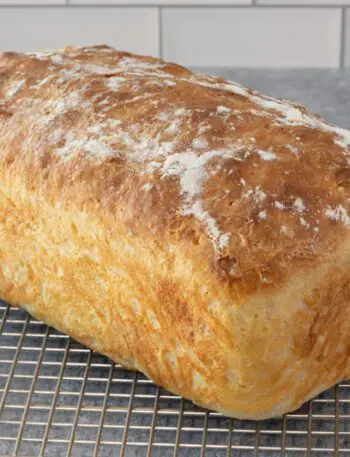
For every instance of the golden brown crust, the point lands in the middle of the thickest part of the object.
(181, 224)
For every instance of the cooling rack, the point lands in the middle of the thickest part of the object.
(59, 399)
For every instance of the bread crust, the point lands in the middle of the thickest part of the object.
(183, 225)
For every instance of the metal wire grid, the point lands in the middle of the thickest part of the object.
(60, 399)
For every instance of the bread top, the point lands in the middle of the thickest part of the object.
(257, 188)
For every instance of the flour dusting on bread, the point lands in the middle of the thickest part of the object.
(138, 109)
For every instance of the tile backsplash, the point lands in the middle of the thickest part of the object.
(222, 33)
(287, 37)
(27, 28)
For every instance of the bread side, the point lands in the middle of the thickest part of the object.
(180, 224)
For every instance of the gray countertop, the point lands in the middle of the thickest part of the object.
(325, 92)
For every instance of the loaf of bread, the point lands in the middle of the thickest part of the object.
(182, 225)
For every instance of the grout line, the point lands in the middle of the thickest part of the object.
(160, 31)
(175, 5)
(342, 38)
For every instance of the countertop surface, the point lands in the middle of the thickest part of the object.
(325, 92)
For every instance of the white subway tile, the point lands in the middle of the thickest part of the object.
(252, 37)
(304, 2)
(31, 29)
(162, 2)
(32, 2)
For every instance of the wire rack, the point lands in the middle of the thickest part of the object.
(59, 399)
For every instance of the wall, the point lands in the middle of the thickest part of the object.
(227, 33)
